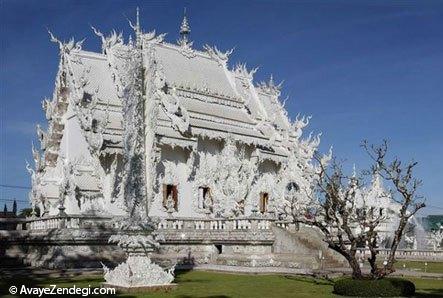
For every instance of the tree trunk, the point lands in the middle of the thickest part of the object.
(355, 266)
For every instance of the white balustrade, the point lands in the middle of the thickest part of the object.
(240, 224)
(409, 254)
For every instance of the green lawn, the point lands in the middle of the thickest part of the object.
(419, 266)
(223, 285)
(432, 267)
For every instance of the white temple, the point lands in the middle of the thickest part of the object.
(217, 156)
(165, 133)
(215, 144)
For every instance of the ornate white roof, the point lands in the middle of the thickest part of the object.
(187, 94)
(217, 100)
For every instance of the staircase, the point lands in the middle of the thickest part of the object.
(305, 246)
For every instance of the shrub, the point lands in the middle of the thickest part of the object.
(386, 287)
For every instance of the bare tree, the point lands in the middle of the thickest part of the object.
(404, 192)
(339, 208)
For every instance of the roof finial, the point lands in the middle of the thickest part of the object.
(271, 81)
(138, 18)
(185, 30)
(138, 31)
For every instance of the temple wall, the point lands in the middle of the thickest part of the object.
(112, 200)
(176, 167)
(73, 144)
(173, 169)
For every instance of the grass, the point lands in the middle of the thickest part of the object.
(432, 267)
(200, 284)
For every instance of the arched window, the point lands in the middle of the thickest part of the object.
(204, 198)
(170, 197)
(291, 191)
(292, 187)
(264, 200)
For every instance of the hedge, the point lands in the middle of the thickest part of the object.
(386, 287)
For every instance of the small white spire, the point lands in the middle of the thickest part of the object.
(271, 81)
(138, 31)
(185, 30)
(138, 18)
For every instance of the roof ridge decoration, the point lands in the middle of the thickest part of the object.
(217, 55)
(274, 91)
(270, 87)
(299, 124)
(185, 30)
(67, 47)
(42, 136)
(241, 70)
(184, 42)
(142, 37)
(109, 42)
(152, 37)
(170, 102)
(38, 160)
(49, 107)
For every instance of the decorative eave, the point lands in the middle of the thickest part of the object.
(177, 142)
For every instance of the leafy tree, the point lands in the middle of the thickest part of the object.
(27, 212)
(14, 207)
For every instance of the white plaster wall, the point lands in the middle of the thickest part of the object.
(113, 205)
(174, 170)
(73, 146)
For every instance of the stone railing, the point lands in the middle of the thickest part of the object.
(85, 222)
(408, 254)
(68, 222)
(216, 224)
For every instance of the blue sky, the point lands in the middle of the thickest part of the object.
(362, 69)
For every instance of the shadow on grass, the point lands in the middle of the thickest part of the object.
(211, 296)
(25, 278)
(28, 278)
(314, 281)
(180, 276)
(429, 293)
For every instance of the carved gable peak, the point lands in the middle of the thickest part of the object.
(66, 47)
(270, 87)
(217, 55)
(241, 70)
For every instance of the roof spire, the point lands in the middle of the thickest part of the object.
(185, 30)
(138, 18)
(271, 81)
(137, 29)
